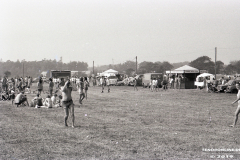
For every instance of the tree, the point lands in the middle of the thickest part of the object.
(204, 63)
(130, 72)
(230, 69)
(7, 73)
(219, 67)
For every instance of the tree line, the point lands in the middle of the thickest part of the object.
(35, 68)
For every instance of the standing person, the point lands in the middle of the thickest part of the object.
(208, 83)
(51, 85)
(108, 84)
(26, 81)
(171, 82)
(29, 84)
(102, 83)
(67, 101)
(20, 85)
(238, 108)
(154, 84)
(81, 87)
(164, 83)
(40, 86)
(13, 84)
(150, 84)
(179, 82)
(4, 84)
(135, 84)
(176, 82)
(86, 85)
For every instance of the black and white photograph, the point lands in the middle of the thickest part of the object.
(119, 79)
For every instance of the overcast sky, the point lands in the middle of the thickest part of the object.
(114, 31)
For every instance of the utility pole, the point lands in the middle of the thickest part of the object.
(215, 63)
(23, 69)
(136, 64)
(93, 67)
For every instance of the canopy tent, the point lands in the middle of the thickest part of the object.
(188, 76)
(111, 71)
(108, 73)
(184, 69)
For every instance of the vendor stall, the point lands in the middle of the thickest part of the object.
(188, 76)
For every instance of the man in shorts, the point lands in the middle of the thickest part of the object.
(81, 87)
(67, 101)
(238, 108)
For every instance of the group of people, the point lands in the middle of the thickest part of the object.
(171, 83)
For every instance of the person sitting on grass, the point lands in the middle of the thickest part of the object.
(59, 101)
(12, 96)
(47, 102)
(34, 101)
(4, 96)
(39, 101)
(20, 99)
(54, 100)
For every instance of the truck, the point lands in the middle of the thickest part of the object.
(147, 77)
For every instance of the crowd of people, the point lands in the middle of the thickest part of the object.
(20, 86)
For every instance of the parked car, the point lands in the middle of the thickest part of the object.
(120, 83)
(231, 88)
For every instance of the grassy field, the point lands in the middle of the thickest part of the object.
(123, 124)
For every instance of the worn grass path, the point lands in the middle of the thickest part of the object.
(123, 124)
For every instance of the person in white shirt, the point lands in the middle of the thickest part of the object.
(47, 102)
(154, 84)
(54, 100)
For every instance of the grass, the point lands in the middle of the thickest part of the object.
(123, 124)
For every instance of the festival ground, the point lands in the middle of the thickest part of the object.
(124, 124)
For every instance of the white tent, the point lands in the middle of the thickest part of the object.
(111, 71)
(108, 73)
(184, 69)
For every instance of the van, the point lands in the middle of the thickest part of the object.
(147, 77)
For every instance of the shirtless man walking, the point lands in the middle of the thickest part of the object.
(67, 101)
